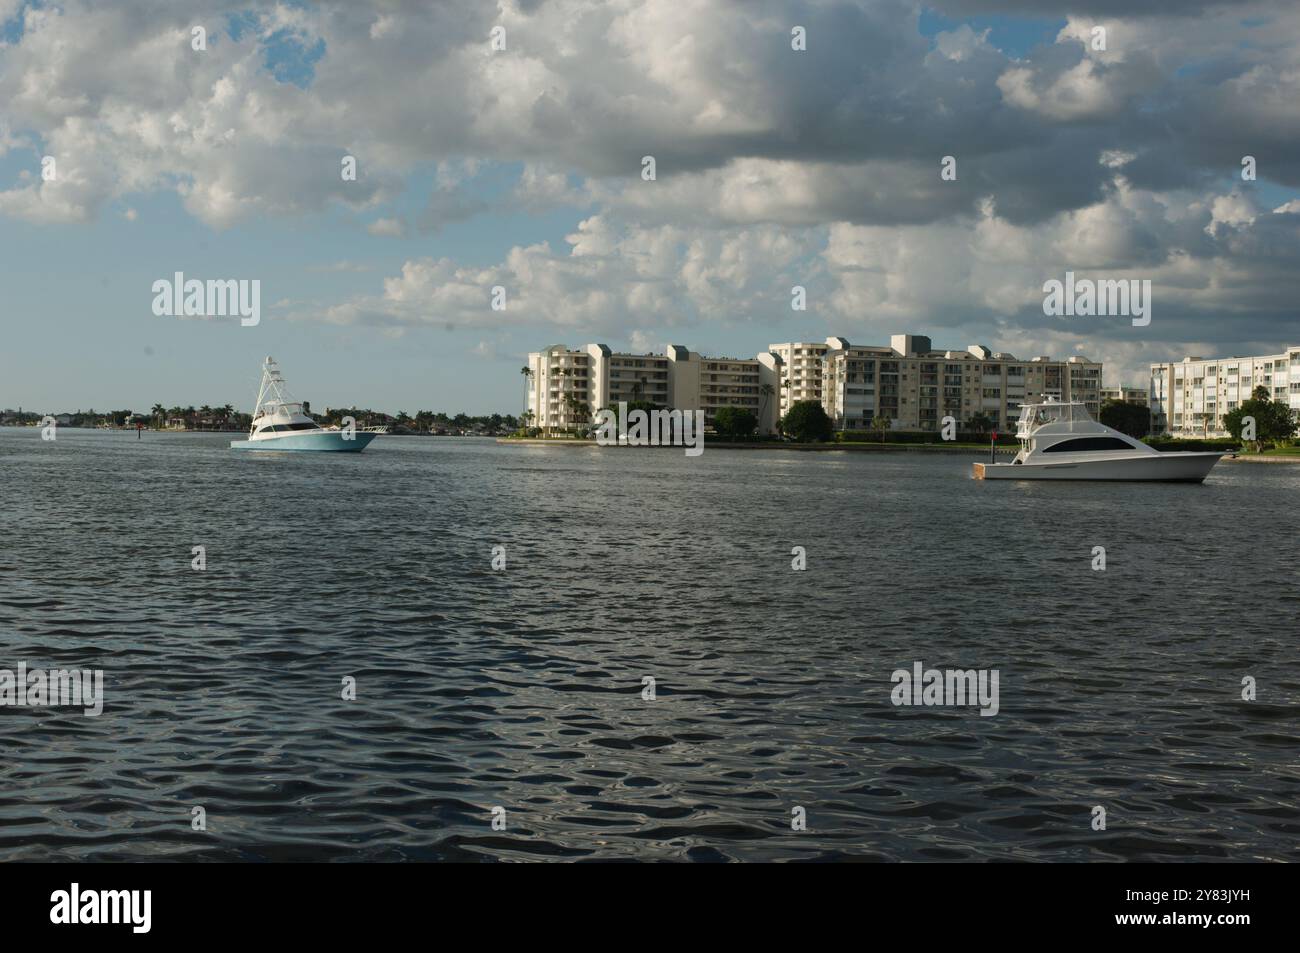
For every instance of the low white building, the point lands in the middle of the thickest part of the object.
(1128, 395)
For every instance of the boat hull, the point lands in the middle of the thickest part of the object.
(1157, 467)
(322, 441)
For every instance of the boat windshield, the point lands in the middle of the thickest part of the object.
(1037, 415)
(278, 408)
(279, 428)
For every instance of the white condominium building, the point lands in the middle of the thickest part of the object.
(915, 386)
(697, 382)
(1190, 398)
(907, 381)
(630, 377)
(558, 387)
(801, 377)
(851, 393)
(566, 386)
(730, 382)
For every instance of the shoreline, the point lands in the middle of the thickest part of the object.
(798, 447)
(852, 448)
(1256, 458)
(712, 444)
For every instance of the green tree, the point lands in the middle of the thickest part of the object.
(1131, 419)
(579, 412)
(880, 424)
(981, 423)
(1274, 421)
(735, 422)
(807, 422)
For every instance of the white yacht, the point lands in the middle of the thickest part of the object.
(1060, 441)
(279, 423)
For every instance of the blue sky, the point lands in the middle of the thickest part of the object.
(820, 171)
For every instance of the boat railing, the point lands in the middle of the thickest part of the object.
(335, 428)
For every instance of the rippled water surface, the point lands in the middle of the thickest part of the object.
(523, 688)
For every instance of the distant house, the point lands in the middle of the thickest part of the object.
(63, 419)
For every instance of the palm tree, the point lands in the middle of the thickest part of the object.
(785, 386)
(880, 423)
(767, 390)
(578, 410)
(158, 412)
(528, 376)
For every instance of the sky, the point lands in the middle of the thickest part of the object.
(522, 168)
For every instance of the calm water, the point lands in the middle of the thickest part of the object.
(522, 688)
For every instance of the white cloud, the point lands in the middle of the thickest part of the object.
(1230, 210)
(341, 266)
(775, 167)
(387, 228)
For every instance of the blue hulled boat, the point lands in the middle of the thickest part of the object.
(279, 423)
